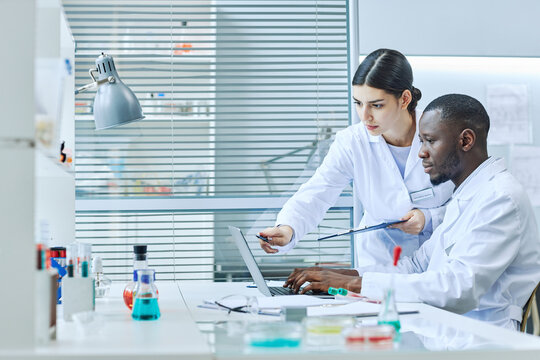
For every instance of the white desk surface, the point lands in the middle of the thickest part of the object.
(173, 336)
(432, 329)
(186, 331)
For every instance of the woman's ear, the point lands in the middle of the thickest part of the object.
(405, 99)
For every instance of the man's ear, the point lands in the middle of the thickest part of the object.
(467, 139)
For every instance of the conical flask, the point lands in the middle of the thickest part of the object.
(145, 305)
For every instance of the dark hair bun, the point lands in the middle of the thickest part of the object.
(416, 95)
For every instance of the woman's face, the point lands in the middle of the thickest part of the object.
(378, 110)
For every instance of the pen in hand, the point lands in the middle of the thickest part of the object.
(262, 238)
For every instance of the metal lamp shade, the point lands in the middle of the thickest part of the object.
(115, 104)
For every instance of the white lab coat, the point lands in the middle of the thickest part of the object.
(366, 160)
(482, 261)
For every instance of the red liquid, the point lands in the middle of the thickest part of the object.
(128, 295)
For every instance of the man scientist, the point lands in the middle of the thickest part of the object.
(483, 261)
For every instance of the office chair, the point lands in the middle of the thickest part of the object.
(531, 310)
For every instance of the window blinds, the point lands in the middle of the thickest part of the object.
(242, 99)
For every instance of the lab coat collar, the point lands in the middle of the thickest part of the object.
(470, 187)
(413, 158)
(373, 138)
(482, 174)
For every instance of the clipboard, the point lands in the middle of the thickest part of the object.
(364, 229)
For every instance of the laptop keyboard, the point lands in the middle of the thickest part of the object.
(277, 290)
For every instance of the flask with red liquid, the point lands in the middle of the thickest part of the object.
(139, 262)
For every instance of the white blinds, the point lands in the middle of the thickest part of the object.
(241, 98)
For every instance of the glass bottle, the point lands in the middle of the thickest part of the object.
(139, 262)
(145, 305)
(101, 282)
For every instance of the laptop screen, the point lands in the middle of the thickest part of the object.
(249, 259)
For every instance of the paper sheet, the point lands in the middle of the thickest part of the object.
(525, 164)
(508, 109)
(271, 302)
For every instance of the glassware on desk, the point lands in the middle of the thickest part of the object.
(389, 314)
(102, 284)
(326, 332)
(145, 296)
(370, 336)
(139, 262)
(273, 334)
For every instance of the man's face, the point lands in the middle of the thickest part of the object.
(439, 150)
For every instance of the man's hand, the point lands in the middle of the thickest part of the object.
(279, 236)
(321, 279)
(414, 224)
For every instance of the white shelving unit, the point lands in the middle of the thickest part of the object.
(34, 184)
(54, 122)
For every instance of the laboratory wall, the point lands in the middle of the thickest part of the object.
(452, 28)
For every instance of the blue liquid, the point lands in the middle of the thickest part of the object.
(276, 343)
(145, 309)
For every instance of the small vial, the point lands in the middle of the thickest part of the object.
(85, 252)
(72, 252)
(101, 282)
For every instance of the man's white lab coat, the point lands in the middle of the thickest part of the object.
(482, 261)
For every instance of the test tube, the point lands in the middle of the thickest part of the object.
(85, 253)
(72, 251)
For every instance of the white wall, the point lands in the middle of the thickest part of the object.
(457, 27)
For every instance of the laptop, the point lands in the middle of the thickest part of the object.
(249, 259)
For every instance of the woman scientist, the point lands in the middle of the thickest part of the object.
(380, 157)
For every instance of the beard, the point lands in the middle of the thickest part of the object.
(447, 168)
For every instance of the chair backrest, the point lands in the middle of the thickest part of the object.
(527, 309)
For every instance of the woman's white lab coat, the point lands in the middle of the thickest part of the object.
(482, 261)
(356, 156)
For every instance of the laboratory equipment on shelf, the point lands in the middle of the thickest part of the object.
(388, 313)
(77, 287)
(139, 262)
(145, 304)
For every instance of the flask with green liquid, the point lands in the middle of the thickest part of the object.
(389, 314)
(145, 304)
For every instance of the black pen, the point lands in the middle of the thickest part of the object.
(262, 238)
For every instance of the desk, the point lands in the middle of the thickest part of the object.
(432, 329)
(174, 336)
(186, 331)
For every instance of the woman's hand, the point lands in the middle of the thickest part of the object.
(414, 224)
(277, 236)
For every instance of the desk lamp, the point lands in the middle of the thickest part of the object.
(115, 104)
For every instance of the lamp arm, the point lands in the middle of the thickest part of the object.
(95, 83)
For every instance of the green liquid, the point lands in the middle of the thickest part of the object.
(145, 309)
(276, 343)
(396, 324)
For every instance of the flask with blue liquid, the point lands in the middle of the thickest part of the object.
(145, 304)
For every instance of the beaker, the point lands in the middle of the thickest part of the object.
(145, 306)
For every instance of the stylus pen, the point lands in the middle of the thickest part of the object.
(364, 229)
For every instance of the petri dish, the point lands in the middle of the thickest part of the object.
(276, 334)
